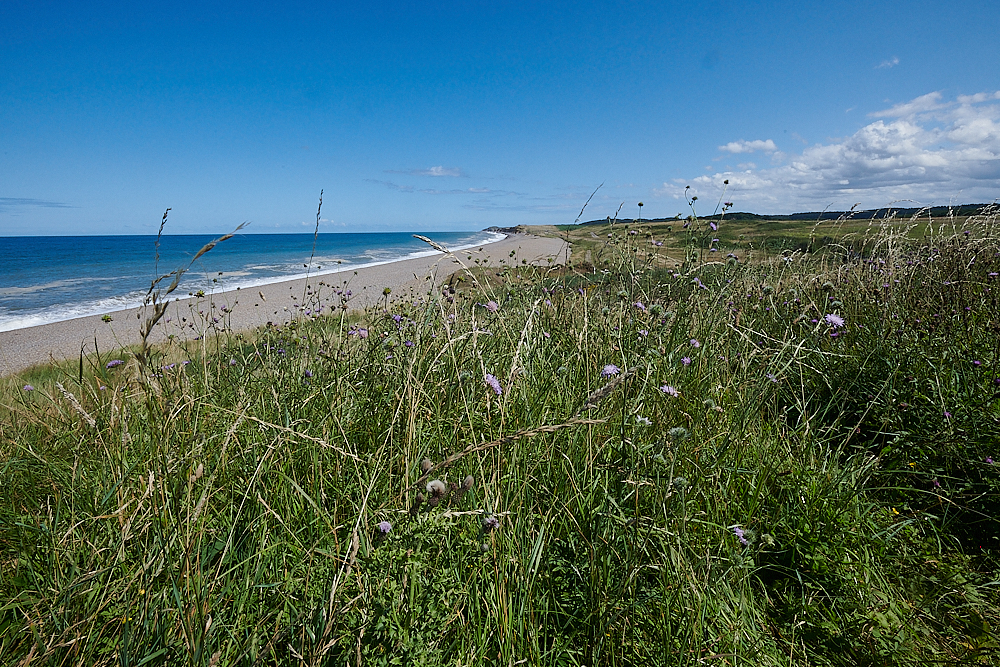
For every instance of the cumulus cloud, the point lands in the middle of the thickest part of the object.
(742, 146)
(430, 171)
(888, 64)
(928, 150)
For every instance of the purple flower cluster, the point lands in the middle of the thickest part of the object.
(738, 532)
(610, 370)
(384, 527)
(494, 383)
(113, 363)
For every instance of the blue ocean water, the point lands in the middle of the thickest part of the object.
(52, 278)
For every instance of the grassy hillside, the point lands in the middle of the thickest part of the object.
(664, 455)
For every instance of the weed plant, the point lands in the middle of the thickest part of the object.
(663, 459)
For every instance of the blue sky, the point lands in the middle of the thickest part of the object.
(461, 115)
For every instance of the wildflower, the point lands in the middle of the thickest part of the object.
(28, 387)
(670, 391)
(936, 484)
(677, 433)
(694, 343)
(989, 459)
(643, 332)
(113, 363)
(362, 333)
(436, 488)
(490, 523)
(610, 370)
(772, 377)
(491, 306)
(384, 527)
(686, 361)
(494, 384)
(834, 320)
(977, 363)
(308, 373)
(639, 419)
(232, 362)
(638, 304)
(947, 415)
(408, 343)
(738, 532)
(714, 226)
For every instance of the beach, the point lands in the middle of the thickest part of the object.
(277, 303)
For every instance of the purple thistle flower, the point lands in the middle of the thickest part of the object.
(494, 384)
(490, 523)
(113, 363)
(686, 361)
(738, 532)
(610, 370)
(670, 391)
(384, 527)
(28, 387)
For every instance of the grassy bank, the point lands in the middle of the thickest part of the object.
(775, 458)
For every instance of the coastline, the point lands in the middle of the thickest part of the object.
(245, 309)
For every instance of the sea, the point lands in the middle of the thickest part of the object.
(47, 279)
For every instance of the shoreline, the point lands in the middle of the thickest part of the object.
(246, 309)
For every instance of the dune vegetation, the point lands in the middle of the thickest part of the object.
(694, 446)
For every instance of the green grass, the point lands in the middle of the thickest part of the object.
(226, 511)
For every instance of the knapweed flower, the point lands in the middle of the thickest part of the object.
(384, 527)
(610, 370)
(835, 321)
(670, 391)
(494, 384)
(738, 532)
(490, 523)
(686, 361)
(28, 387)
(113, 363)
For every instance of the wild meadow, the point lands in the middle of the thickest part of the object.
(683, 448)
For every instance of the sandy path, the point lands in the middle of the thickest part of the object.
(188, 317)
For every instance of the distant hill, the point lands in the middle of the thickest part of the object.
(962, 210)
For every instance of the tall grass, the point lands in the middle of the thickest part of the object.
(675, 461)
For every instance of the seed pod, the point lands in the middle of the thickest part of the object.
(468, 482)
(436, 488)
(426, 465)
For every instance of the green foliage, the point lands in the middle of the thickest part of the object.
(684, 464)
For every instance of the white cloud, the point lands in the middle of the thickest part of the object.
(922, 104)
(430, 171)
(928, 150)
(892, 62)
(742, 146)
